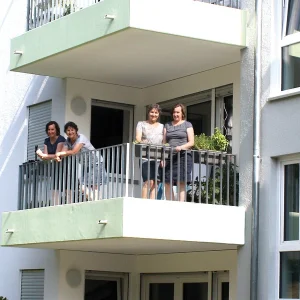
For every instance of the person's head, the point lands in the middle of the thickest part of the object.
(52, 129)
(71, 129)
(153, 112)
(178, 112)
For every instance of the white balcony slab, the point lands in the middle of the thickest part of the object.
(134, 226)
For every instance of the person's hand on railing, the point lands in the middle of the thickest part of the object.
(58, 155)
(40, 154)
(178, 148)
(57, 158)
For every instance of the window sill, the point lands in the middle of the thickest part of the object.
(285, 94)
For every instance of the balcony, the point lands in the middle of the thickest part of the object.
(41, 12)
(92, 202)
(123, 38)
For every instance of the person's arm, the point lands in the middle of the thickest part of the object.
(60, 147)
(138, 135)
(66, 152)
(190, 138)
(162, 162)
(44, 154)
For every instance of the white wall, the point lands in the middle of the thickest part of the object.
(89, 90)
(17, 91)
(217, 77)
(159, 93)
(136, 265)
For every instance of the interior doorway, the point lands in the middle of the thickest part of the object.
(105, 286)
(111, 123)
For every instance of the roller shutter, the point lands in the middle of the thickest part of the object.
(32, 284)
(39, 116)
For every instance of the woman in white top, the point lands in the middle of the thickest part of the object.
(150, 132)
(75, 143)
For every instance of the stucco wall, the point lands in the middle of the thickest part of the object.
(279, 137)
(139, 98)
(245, 149)
(17, 91)
(202, 81)
(142, 264)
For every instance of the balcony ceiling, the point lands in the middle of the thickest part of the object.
(136, 58)
(135, 246)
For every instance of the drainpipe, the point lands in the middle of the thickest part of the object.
(28, 17)
(256, 152)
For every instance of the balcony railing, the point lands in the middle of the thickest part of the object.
(116, 171)
(41, 12)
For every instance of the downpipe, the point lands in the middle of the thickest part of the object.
(28, 15)
(256, 152)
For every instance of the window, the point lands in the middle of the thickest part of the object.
(289, 247)
(206, 110)
(290, 275)
(32, 284)
(108, 286)
(39, 116)
(290, 67)
(291, 202)
(186, 286)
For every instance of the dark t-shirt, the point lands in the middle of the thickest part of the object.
(177, 135)
(52, 147)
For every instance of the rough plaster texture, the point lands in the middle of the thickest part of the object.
(246, 138)
(279, 137)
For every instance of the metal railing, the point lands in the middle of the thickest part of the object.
(41, 12)
(130, 170)
(227, 3)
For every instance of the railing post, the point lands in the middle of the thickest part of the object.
(127, 162)
(20, 188)
(132, 168)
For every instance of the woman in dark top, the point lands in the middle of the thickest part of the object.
(179, 134)
(54, 143)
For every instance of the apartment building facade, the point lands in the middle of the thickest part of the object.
(100, 63)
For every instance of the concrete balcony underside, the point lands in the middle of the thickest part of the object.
(147, 43)
(134, 226)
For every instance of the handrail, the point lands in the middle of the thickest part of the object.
(130, 170)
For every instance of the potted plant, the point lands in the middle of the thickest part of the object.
(215, 142)
(3, 298)
(213, 190)
(207, 187)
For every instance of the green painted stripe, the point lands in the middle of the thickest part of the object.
(70, 31)
(71, 222)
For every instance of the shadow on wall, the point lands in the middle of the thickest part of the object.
(13, 145)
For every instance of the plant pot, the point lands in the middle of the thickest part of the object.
(206, 156)
(148, 151)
